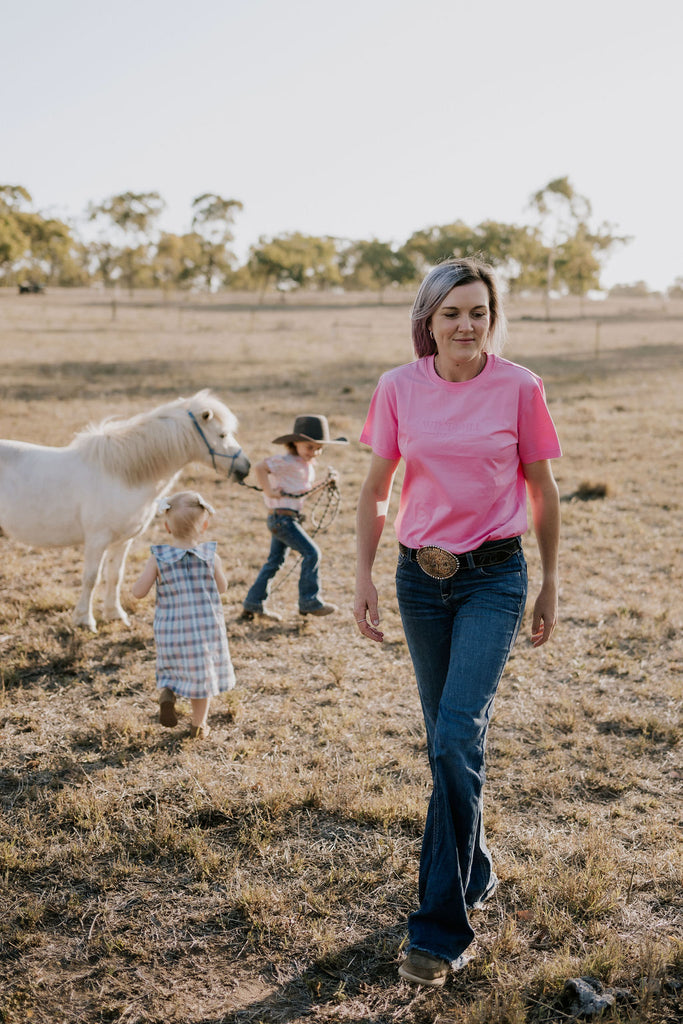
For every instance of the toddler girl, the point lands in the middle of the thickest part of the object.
(285, 480)
(193, 659)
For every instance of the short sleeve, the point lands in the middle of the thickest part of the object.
(537, 436)
(380, 431)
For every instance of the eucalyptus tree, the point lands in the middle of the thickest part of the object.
(13, 199)
(574, 249)
(54, 255)
(30, 243)
(432, 245)
(577, 266)
(377, 265)
(177, 261)
(133, 212)
(559, 209)
(13, 240)
(516, 251)
(294, 260)
(212, 222)
(133, 216)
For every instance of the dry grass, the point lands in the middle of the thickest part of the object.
(266, 874)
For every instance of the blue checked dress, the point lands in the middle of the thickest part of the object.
(193, 658)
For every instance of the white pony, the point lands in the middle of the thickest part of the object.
(100, 490)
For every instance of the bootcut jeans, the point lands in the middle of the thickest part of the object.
(460, 632)
(287, 532)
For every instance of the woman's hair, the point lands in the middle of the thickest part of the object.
(434, 289)
(185, 512)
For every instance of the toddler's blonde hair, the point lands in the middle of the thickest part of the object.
(185, 512)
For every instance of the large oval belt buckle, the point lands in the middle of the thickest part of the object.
(438, 563)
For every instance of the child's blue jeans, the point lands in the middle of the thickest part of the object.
(287, 532)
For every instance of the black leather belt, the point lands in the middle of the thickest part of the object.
(441, 564)
(285, 512)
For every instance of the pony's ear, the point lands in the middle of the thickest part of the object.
(207, 415)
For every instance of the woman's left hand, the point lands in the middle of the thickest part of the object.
(545, 615)
(544, 498)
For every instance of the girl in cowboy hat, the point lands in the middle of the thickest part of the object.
(285, 480)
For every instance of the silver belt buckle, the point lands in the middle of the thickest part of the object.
(437, 563)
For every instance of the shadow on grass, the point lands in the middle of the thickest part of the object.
(19, 784)
(53, 668)
(329, 981)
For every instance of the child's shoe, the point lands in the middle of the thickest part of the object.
(248, 614)
(319, 609)
(167, 711)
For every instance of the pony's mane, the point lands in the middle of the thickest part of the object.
(151, 445)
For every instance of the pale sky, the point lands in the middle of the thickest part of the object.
(359, 119)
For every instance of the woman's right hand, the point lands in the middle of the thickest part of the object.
(371, 514)
(366, 613)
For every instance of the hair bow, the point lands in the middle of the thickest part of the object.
(163, 505)
(204, 504)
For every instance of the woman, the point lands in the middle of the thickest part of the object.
(476, 437)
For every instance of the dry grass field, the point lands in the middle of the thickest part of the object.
(265, 874)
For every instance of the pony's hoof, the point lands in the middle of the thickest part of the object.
(86, 624)
(117, 615)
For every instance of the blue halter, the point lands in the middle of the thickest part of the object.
(212, 451)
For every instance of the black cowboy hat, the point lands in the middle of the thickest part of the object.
(310, 428)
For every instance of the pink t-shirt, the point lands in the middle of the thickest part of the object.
(291, 474)
(463, 445)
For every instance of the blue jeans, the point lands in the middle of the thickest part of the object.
(460, 633)
(287, 532)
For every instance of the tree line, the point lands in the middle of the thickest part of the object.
(561, 252)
